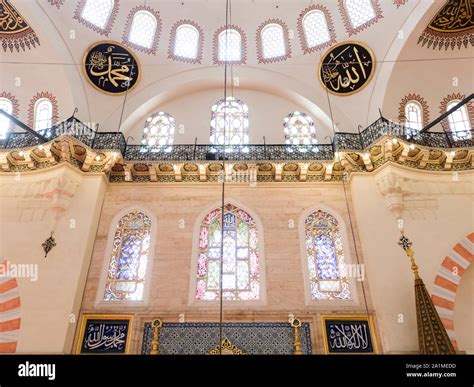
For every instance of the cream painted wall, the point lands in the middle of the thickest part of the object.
(464, 312)
(433, 233)
(50, 305)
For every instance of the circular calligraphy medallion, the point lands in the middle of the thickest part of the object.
(346, 68)
(111, 67)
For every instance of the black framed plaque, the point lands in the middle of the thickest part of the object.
(349, 334)
(104, 334)
(346, 68)
(111, 67)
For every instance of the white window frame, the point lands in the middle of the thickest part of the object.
(129, 37)
(35, 113)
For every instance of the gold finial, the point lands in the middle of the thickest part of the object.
(296, 324)
(406, 244)
(156, 325)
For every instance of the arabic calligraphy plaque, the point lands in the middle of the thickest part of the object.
(111, 67)
(104, 334)
(348, 336)
(346, 68)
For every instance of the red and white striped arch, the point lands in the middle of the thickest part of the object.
(446, 282)
(10, 308)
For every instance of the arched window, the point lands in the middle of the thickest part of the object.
(125, 277)
(299, 129)
(359, 14)
(230, 122)
(143, 30)
(239, 260)
(325, 257)
(316, 30)
(186, 42)
(230, 46)
(459, 122)
(414, 115)
(159, 130)
(273, 43)
(43, 114)
(97, 14)
(7, 106)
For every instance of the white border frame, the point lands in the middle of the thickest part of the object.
(325, 304)
(262, 301)
(110, 305)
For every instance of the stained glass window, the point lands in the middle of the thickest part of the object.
(238, 256)
(459, 122)
(127, 267)
(299, 129)
(273, 41)
(230, 116)
(315, 26)
(143, 30)
(230, 46)
(359, 12)
(97, 12)
(7, 106)
(414, 115)
(186, 44)
(159, 130)
(43, 114)
(325, 257)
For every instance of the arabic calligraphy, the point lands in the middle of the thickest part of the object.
(104, 336)
(15, 32)
(454, 16)
(348, 336)
(346, 68)
(111, 68)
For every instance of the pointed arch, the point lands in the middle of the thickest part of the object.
(315, 29)
(182, 32)
(142, 29)
(328, 277)
(125, 276)
(245, 249)
(98, 15)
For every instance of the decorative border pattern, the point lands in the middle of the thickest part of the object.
(446, 282)
(10, 312)
(128, 27)
(171, 55)
(15, 103)
(253, 338)
(302, 35)
(243, 45)
(444, 106)
(31, 107)
(421, 101)
(398, 3)
(57, 3)
(105, 31)
(258, 40)
(347, 22)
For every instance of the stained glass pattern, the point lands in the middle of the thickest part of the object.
(230, 122)
(240, 256)
(186, 44)
(299, 129)
(159, 130)
(325, 256)
(230, 46)
(127, 267)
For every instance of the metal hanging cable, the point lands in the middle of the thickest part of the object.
(221, 301)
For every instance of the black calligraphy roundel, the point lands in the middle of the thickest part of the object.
(111, 67)
(346, 68)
